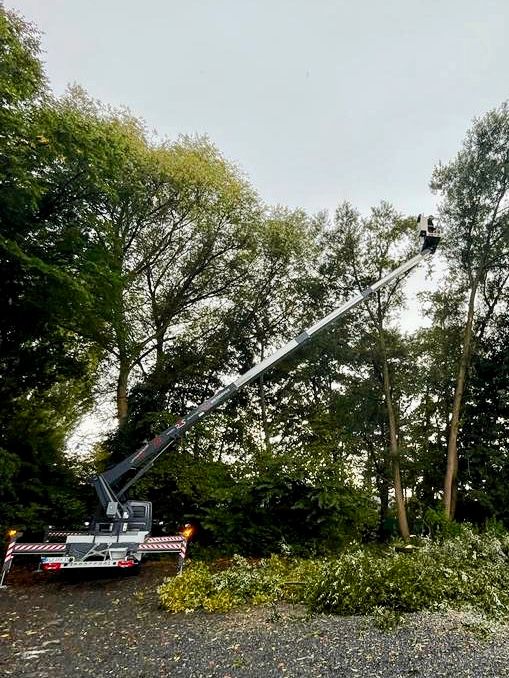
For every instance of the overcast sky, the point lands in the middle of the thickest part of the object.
(318, 101)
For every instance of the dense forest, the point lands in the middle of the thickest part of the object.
(153, 265)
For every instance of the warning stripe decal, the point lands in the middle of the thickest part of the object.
(39, 548)
(176, 544)
(160, 547)
(9, 556)
(157, 540)
(62, 533)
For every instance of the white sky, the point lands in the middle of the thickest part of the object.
(318, 101)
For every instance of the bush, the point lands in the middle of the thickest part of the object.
(467, 570)
(245, 582)
(281, 512)
(187, 592)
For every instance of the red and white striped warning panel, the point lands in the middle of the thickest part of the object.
(43, 548)
(152, 545)
(62, 533)
(156, 540)
(165, 545)
(9, 555)
(161, 547)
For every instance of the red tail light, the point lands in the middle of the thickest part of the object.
(126, 563)
(51, 566)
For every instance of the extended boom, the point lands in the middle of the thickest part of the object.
(141, 460)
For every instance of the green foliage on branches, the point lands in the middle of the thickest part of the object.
(45, 370)
(21, 76)
(274, 512)
(242, 583)
(467, 570)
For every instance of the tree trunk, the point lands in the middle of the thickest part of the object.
(123, 374)
(265, 421)
(159, 348)
(383, 481)
(383, 491)
(452, 446)
(267, 449)
(394, 450)
(394, 447)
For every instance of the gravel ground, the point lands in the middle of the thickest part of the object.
(54, 627)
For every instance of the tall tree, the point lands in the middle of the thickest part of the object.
(210, 240)
(248, 310)
(270, 306)
(369, 250)
(434, 352)
(483, 490)
(44, 369)
(474, 188)
(170, 227)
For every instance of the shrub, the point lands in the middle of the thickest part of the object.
(278, 511)
(468, 569)
(187, 592)
(244, 582)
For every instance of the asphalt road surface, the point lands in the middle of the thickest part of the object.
(53, 627)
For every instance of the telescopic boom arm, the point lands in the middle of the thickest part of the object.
(142, 459)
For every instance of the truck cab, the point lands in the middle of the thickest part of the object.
(137, 517)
